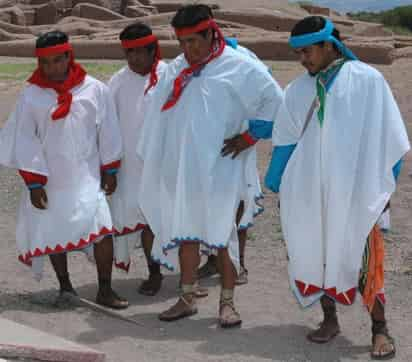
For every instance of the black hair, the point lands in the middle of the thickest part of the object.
(51, 38)
(313, 24)
(191, 15)
(136, 31)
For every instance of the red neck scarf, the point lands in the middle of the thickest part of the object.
(141, 42)
(186, 74)
(74, 78)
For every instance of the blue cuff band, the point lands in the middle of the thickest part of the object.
(260, 129)
(34, 186)
(278, 163)
(112, 171)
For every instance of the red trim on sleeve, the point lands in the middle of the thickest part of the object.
(248, 138)
(32, 178)
(112, 165)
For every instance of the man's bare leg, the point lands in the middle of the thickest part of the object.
(59, 263)
(186, 305)
(211, 267)
(228, 316)
(152, 285)
(208, 269)
(103, 253)
(329, 328)
(243, 274)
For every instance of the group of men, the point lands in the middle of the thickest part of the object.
(173, 146)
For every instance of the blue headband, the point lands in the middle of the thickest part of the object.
(325, 34)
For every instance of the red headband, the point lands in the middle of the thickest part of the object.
(140, 42)
(53, 50)
(203, 25)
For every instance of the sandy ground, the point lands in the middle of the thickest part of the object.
(274, 325)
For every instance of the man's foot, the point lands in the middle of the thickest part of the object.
(228, 316)
(65, 296)
(383, 347)
(209, 269)
(111, 300)
(185, 307)
(325, 333)
(242, 277)
(151, 286)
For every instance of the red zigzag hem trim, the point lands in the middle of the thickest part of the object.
(126, 230)
(346, 298)
(122, 266)
(70, 246)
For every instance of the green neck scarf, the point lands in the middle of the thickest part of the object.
(324, 80)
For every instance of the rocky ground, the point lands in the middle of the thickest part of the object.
(274, 325)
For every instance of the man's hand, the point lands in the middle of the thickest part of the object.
(38, 198)
(109, 183)
(234, 146)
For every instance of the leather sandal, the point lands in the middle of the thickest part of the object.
(182, 309)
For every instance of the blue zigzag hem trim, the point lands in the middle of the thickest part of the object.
(176, 242)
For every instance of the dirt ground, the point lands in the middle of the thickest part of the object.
(274, 326)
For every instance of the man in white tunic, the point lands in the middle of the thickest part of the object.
(131, 88)
(190, 191)
(339, 138)
(64, 139)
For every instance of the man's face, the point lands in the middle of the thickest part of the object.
(196, 47)
(315, 57)
(55, 67)
(140, 60)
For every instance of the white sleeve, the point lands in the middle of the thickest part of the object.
(260, 94)
(286, 130)
(20, 145)
(109, 135)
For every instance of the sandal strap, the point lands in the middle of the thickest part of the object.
(184, 300)
(228, 302)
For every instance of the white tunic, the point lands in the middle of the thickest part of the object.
(339, 177)
(127, 89)
(189, 191)
(253, 192)
(70, 152)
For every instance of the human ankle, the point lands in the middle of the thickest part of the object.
(188, 290)
(105, 285)
(154, 268)
(64, 282)
(227, 294)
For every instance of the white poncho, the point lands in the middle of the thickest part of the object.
(339, 177)
(70, 152)
(189, 191)
(128, 91)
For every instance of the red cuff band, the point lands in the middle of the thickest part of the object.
(53, 50)
(109, 166)
(248, 138)
(203, 25)
(140, 42)
(33, 178)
